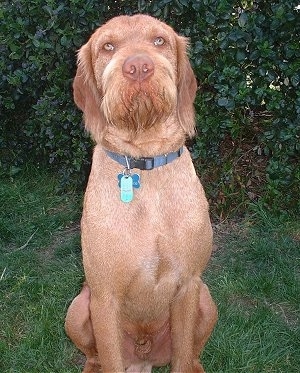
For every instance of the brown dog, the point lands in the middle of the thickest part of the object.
(146, 233)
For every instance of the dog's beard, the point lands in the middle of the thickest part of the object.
(138, 106)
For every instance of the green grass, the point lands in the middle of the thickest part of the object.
(254, 277)
(40, 272)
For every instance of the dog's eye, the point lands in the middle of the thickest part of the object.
(159, 41)
(108, 47)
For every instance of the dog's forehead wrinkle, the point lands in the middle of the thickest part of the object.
(107, 37)
(135, 29)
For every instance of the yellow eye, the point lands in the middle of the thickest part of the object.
(108, 47)
(159, 41)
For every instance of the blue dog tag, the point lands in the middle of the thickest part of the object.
(126, 186)
(126, 183)
(135, 180)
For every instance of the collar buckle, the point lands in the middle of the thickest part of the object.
(145, 163)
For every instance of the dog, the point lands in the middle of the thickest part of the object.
(146, 231)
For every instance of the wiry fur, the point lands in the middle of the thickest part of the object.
(144, 303)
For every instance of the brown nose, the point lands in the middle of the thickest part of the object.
(138, 67)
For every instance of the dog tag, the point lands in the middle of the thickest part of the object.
(126, 186)
(135, 180)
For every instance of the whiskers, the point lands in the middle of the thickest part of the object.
(138, 107)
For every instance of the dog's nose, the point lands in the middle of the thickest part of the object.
(138, 67)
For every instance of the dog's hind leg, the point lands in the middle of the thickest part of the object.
(184, 314)
(193, 317)
(207, 318)
(78, 327)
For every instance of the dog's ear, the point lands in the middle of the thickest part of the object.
(86, 93)
(187, 87)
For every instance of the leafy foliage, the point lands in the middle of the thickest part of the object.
(39, 40)
(244, 53)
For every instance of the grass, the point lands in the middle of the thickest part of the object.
(254, 277)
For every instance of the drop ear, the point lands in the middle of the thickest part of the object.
(86, 93)
(187, 87)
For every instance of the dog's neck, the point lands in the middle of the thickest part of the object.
(145, 163)
(156, 141)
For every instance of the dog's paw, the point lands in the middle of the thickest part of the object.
(196, 368)
(139, 368)
(91, 367)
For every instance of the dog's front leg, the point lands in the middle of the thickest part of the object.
(105, 320)
(184, 312)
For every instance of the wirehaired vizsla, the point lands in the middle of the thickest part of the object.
(146, 232)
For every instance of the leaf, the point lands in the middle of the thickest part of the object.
(141, 5)
(36, 43)
(254, 55)
(240, 55)
(243, 18)
(184, 2)
(198, 47)
(210, 18)
(262, 71)
(64, 41)
(295, 80)
(225, 102)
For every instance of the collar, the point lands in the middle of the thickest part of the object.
(145, 163)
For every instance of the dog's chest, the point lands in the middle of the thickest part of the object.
(144, 251)
(152, 285)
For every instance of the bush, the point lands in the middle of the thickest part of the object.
(245, 55)
(39, 40)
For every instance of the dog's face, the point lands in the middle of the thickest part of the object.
(134, 73)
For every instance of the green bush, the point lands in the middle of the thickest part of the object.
(39, 40)
(245, 55)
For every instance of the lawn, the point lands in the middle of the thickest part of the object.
(254, 276)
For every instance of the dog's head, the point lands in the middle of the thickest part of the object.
(134, 73)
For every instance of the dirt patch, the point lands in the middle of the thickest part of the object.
(79, 360)
(59, 238)
(289, 316)
(224, 232)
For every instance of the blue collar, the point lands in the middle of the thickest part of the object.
(145, 163)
